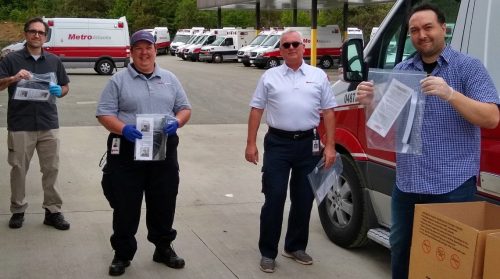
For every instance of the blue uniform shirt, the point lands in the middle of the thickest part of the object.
(293, 99)
(129, 93)
(451, 145)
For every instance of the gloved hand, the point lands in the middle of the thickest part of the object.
(437, 86)
(131, 133)
(171, 127)
(55, 89)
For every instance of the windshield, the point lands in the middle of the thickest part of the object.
(181, 38)
(258, 40)
(271, 41)
(217, 41)
(200, 39)
(192, 39)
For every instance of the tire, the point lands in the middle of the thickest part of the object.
(105, 67)
(247, 64)
(343, 212)
(272, 62)
(217, 58)
(326, 62)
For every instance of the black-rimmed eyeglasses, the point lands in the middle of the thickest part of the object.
(294, 44)
(36, 32)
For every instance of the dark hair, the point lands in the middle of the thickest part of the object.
(33, 20)
(428, 7)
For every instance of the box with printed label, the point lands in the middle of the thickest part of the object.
(449, 238)
(491, 256)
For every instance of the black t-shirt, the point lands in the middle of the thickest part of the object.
(32, 115)
(429, 67)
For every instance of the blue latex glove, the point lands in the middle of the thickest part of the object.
(55, 89)
(131, 133)
(171, 127)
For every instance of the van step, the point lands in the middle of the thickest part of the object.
(381, 236)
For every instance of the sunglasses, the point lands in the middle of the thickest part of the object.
(294, 44)
(36, 32)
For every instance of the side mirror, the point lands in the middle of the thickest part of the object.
(353, 65)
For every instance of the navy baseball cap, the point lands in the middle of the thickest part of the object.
(142, 35)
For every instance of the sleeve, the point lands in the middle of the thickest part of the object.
(4, 69)
(259, 98)
(62, 76)
(108, 103)
(327, 97)
(478, 84)
(181, 99)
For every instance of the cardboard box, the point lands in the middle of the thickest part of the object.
(492, 256)
(449, 238)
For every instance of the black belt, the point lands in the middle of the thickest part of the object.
(294, 135)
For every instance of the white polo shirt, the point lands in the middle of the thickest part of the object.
(293, 99)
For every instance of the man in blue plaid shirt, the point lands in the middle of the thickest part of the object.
(460, 99)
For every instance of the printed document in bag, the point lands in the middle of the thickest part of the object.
(389, 108)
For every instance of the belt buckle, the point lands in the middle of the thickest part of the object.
(296, 136)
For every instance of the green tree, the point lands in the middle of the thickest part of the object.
(187, 15)
(119, 8)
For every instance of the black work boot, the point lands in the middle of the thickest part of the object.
(118, 266)
(168, 257)
(55, 220)
(16, 221)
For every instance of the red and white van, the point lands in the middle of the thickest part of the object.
(328, 47)
(162, 39)
(360, 208)
(101, 44)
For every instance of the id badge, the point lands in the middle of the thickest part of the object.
(115, 146)
(315, 147)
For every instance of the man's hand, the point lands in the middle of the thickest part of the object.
(171, 128)
(437, 86)
(252, 154)
(55, 89)
(329, 156)
(364, 93)
(131, 133)
(22, 74)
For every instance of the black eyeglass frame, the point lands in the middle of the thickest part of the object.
(287, 45)
(36, 32)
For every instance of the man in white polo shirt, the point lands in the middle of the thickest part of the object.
(293, 95)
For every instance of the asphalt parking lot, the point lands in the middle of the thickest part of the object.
(219, 198)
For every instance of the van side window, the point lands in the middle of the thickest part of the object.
(229, 42)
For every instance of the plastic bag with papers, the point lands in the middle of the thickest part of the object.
(36, 88)
(153, 145)
(394, 119)
(323, 180)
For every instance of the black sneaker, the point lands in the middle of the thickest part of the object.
(168, 257)
(16, 221)
(55, 220)
(118, 266)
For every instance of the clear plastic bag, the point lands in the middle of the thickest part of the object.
(153, 145)
(36, 88)
(323, 180)
(395, 122)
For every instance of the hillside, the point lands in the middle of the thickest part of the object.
(10, 32)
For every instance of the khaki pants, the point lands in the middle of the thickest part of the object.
(21, 146)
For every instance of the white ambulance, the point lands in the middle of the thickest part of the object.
(328, 48)
(101, 44)
(355, 33)
(244, 52)
(162, 39)
(192, 52)
(225, 47)
(182, 36)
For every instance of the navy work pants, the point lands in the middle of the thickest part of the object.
(126, 181)
(282, 155)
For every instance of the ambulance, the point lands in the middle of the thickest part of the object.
(355, 33)
(359, 209)
(225, 47)
(182, 36)
(192, 52)
(162, 39)
(329, 44)
(101, 44)
(244, 52)
(179, 52)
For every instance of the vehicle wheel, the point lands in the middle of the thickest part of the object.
(217, 58)
(326, 62)
(247, 64)
(104, 67)
(273, 62)
(343, 212)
